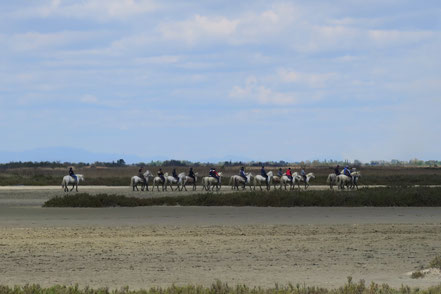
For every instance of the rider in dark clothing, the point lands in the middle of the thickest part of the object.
(161, 175)
(242, 174)
(263, 174)
(214, 174)
(72, 174)
(174, 174)
(280, 172)
(337, 170)
(191, 175)
(141, 175)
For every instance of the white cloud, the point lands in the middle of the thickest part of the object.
(34, 40)
(89, 99)
(102, 10)
(310, 79)
(252, 91)
(197, 28)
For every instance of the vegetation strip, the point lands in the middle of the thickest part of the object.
(222, 288)
(382, 197)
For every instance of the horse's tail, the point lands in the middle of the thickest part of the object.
(231, 181)
(62, 183)
(328, 180)
(132, 180)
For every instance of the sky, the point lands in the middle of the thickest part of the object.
(197, 80)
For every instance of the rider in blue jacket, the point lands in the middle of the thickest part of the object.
(242, 174)
(72, 174)
(347, 172)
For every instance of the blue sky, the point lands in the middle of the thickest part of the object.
(262, 80)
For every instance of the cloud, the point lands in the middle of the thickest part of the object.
(103, 10)
(197, 28)
(89, 99)
(252, 91)
(310, 79)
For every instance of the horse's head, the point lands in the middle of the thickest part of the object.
(269, 174)
(311, 175)
(220, 174)
(80, 177)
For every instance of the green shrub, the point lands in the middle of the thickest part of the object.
(383, 197)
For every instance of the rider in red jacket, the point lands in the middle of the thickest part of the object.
(289, 174)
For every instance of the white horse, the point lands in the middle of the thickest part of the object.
(260, 179)
(135, 181)
(298, 179)
(157, 180)
(68, 180)
(236, 180)
(189, 180)
(169, 180)
(331, 180)
(284, 180)
(208, 183)
(355, 176)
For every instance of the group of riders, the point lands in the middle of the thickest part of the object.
(214, 174)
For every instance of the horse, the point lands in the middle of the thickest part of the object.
(343, 180)
(68, 180)
(169, 180)
(157, 180)
(285, 180)
(189, 180)
(135, 180)
(298, 179)
(236, 180)
(276, 180)
(355, 176)
(208, 182)
(331, 180)
(259, 179)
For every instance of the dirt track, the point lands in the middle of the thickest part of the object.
(158, 246)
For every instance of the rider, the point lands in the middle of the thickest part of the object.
(289, 174)
(161, 175)
(141, 175)
(337, 170)
(174, 174)
(280, 172)
(347, 172)
(214, 174)
(263, 174)
(72, 174)
(242, 174)
(303, 174)
(192, 175)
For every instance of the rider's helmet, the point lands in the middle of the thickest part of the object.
(242, 168)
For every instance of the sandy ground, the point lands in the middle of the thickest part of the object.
(157, 246)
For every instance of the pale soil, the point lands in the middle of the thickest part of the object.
(158, 246)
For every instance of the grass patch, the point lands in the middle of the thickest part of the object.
(417, 275)
(223, 288)
(382, 197)
(436, 263)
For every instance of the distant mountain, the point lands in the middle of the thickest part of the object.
(68, 154)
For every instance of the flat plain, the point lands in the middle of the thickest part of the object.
(160, 246)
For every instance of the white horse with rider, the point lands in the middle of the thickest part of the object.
(208, 183)
(299, 179)
(350, 182)
(259, 179)
(170, 180)
(189, 180)
(69, 180)
(236, 180)
(136, 180)
(158, 181)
